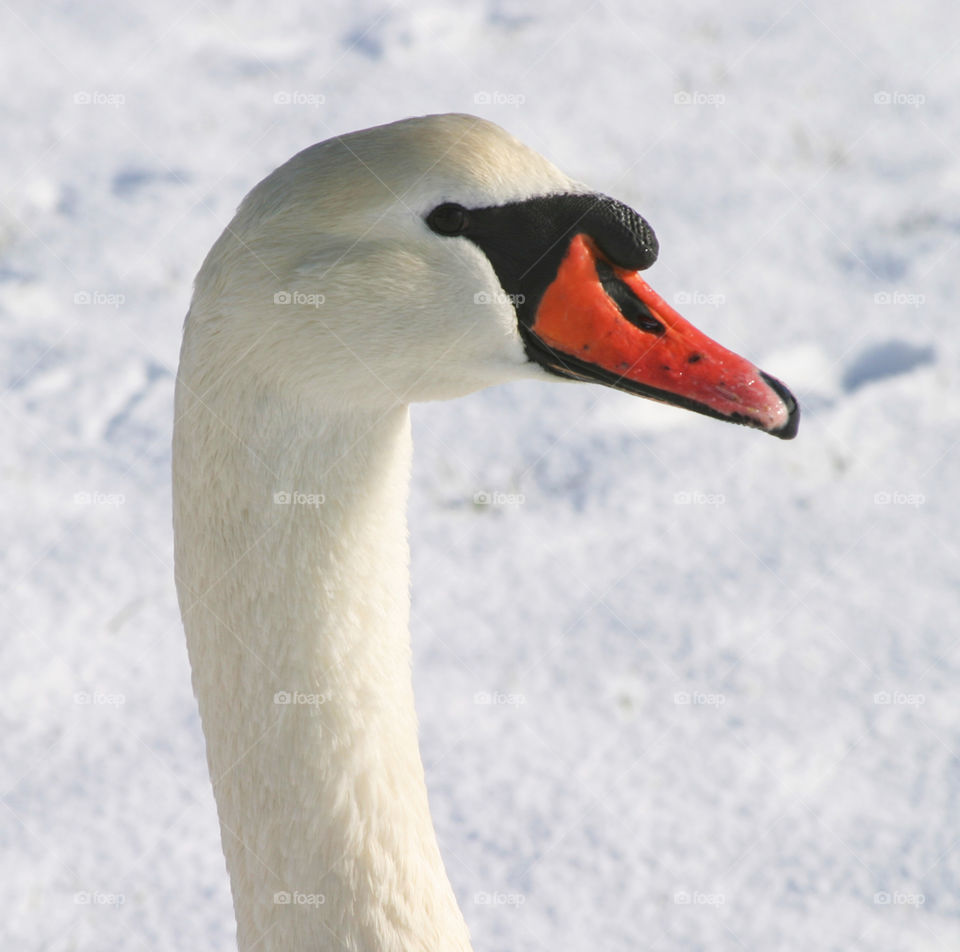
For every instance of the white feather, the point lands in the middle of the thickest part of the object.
(323, 310)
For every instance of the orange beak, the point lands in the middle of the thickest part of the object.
(603, 323)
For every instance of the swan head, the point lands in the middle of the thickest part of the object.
(434, 256)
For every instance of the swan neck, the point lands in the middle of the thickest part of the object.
(292, 573)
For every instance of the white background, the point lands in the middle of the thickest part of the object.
(799, 163)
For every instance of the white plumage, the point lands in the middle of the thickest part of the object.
(354, 280)
(323, 310)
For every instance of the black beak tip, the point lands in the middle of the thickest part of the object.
(789, 429)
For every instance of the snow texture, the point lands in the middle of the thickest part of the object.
(682, 686)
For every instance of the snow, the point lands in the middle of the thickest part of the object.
(682, 686)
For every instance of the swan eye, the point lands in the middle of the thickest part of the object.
(448, 219)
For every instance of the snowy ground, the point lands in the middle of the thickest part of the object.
(722, 669)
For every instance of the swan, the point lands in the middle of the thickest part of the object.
(420, 260)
